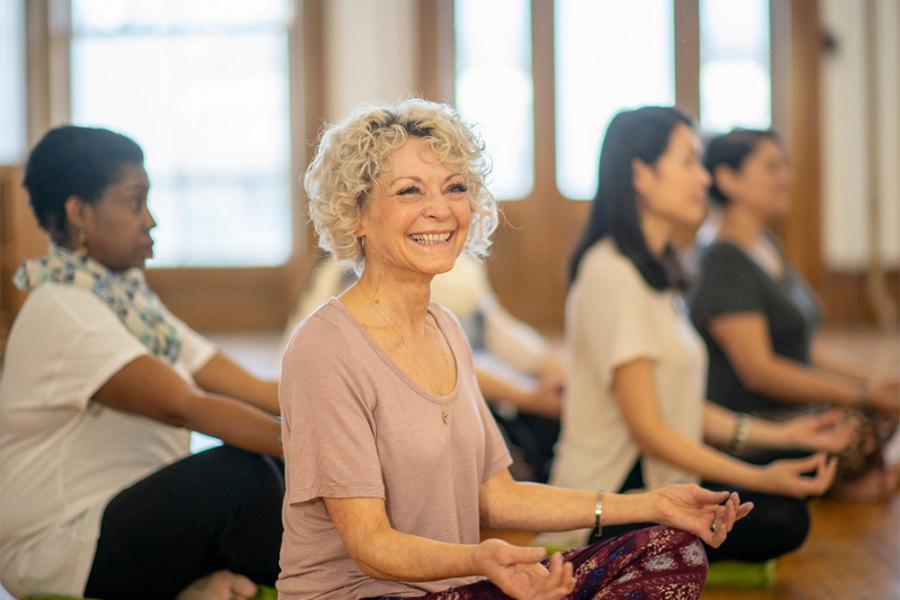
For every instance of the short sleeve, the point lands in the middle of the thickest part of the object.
(496, 454)
(614, 316)
(728, 284)
(328, 420)
(196, 350)
(65, 345)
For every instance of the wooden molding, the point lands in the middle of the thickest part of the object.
(686, 14)
(20, 238)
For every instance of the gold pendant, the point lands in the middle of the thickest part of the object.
(445, 416)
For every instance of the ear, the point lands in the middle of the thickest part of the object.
(642, 176)
(76, 211)
(726, 179)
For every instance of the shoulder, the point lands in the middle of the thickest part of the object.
(326, 327)
(54, 304)
(723, 253)
(604, 266)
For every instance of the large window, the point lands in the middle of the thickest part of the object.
(202, 85)
(494, 88)
(607, 56)
(735, 80)
(610, 55)
(12, 75)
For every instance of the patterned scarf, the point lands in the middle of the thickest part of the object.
(126, 294)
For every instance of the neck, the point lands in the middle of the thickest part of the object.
(657, 232)
(401, 298)
(741, 225)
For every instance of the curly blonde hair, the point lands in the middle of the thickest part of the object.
(354, 151)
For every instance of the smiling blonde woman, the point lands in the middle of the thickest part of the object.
(392, 457)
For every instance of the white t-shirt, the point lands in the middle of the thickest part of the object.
(63, 457)
(612, 318)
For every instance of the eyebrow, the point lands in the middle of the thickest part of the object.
(418, 179)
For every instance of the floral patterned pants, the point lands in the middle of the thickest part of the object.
(657, 563)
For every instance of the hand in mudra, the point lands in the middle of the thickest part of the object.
(519, 573)
(708, 515)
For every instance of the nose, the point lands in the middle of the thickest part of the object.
(149, 221)
(705, 177)
(438, 207)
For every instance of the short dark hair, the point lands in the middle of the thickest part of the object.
(644, 134)
(731, 149)
(74, 161)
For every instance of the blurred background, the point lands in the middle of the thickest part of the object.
(227, 97)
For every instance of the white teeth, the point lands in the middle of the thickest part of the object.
(431, 238)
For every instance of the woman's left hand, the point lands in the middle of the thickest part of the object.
(708, 515)
(519, 574)
(829, 432)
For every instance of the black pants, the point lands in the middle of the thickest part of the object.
(219, 509)
(776, 525)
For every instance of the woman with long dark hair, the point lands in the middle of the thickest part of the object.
(635, 415)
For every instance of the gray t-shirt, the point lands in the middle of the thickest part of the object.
(354, 425)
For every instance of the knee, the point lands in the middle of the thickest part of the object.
(258, 475)
(787, 522)
(675, 543)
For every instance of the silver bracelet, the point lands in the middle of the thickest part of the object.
(741, 432)
(598, 510)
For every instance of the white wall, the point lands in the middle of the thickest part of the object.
(845, 145)
(370, 52)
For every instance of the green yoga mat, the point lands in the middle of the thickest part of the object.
(732, 573)
(264, 593)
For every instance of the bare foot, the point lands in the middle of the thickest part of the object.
(875, 486)
(221, 585)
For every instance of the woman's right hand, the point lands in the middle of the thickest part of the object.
(518, 572)
(788, 477)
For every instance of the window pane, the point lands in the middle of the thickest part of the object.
(735, 80)
(203, 87)
(494, 87)
(13, 142)
(610, 55)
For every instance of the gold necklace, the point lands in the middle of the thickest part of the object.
(445, 416)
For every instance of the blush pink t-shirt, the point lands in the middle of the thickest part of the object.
(354, 425)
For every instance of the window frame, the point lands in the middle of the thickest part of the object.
(533, 244)
(208, 298)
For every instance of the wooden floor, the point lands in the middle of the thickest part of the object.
(852, 553)
(853, 550)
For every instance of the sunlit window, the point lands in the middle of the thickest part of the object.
(610, 55)
(12, 91)
(735, 80)
(202, 86)
(494, 87)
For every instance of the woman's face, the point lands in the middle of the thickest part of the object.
(117, 226)
(418, 216)
(674, 189)
(763, 183)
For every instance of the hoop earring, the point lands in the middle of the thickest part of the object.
(82, 248)
(362, 243)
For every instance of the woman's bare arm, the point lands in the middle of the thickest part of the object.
(827, 431)
(382, 552)
(635, 393)
(149, 388)
(744, 337)
(223, 376)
